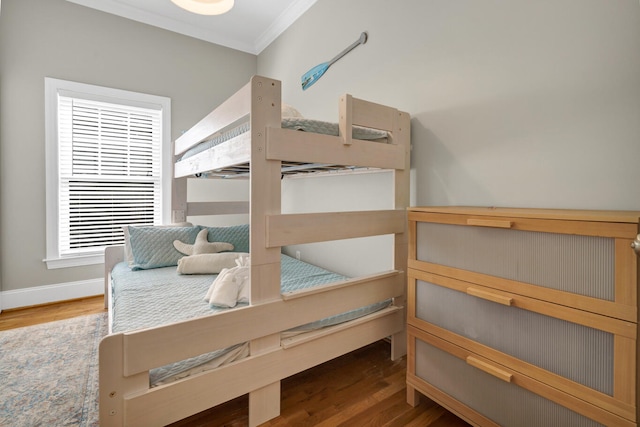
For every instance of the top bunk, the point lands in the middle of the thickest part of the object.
(252, 126)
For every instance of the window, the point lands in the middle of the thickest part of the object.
(108, 162)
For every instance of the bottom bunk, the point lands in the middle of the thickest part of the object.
(172, 354)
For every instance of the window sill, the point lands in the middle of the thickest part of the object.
(74, 261)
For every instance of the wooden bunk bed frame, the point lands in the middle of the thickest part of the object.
(126, 358)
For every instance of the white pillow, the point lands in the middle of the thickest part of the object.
(208, 263)
(289, 111)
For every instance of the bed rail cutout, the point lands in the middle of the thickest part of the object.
(287, 296)
(314, 335)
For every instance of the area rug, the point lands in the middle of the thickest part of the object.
(49, 373)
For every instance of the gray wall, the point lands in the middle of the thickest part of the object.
(514, 103)
(59, 39)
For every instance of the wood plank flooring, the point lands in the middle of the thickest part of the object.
(17, 318)
(362, 388)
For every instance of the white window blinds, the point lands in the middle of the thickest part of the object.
(110, 163)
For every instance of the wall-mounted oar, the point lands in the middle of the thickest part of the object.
(312, 76)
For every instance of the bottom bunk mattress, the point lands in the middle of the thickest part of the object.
(161, 296)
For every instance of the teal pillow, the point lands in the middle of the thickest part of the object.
(152, 247)
(237, 235)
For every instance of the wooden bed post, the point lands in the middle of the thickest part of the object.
(178, 195)
(265, 189)
(401, 136)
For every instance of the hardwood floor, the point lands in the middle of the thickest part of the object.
(17, 318)
(362, 388)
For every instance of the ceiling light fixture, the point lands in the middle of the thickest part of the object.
(205, 7)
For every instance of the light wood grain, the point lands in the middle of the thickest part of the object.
(613, 216)
(294, 229)
(565, 223)
(490, 369)
(618, 317)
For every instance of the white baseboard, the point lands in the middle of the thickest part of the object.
(51, 293)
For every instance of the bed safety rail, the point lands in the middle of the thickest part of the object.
(231, 111)
(131, 355)
(165, 404)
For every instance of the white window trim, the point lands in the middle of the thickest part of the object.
(98, 93)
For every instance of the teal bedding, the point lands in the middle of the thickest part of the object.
(156, 297)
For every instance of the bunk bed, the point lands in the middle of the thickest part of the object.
(249, 140)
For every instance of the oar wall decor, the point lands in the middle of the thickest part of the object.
(312, 76)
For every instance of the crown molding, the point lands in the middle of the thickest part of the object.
(282, 22)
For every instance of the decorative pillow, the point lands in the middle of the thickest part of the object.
(237, 235)
(208, 263)
(202, 245)
(289, 111)
(128, 255)
(152, 247)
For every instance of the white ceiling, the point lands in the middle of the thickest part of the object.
(250, 26)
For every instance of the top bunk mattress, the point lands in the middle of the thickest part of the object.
(295, 123)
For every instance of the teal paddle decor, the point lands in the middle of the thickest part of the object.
(312, 76)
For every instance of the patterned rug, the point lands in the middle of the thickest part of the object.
(49, 373)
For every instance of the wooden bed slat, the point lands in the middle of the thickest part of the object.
(372, 115)
(293, 229)
(156, 347)
(296, 146)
